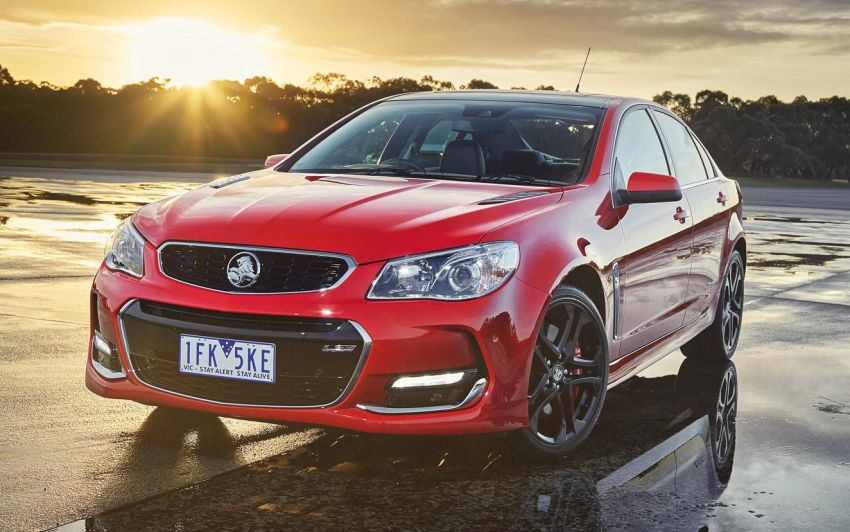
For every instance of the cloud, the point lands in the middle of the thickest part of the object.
(643, 46)
(511, 30)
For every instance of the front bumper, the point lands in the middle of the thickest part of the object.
(494, 333)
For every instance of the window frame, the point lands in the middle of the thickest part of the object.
(638, 107)
(713, 174)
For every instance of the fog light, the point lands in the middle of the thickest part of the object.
(419, 381)
(104, 358)
(102, 345)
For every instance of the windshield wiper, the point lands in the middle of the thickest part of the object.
(401, 170)
(530, 179)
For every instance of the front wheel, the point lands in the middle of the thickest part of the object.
(720, 339)
(568, 378)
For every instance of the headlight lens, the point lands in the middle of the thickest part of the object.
(454, 275)
(125, 250)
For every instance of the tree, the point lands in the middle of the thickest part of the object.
(5, 77)
(678, 103)
(88, 86)
(478, 84)
(255, 117)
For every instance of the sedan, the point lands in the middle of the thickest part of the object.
(434, 263)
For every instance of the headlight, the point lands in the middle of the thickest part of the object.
(125, 250)
(457, 274)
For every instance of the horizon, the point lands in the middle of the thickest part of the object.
(774, 48)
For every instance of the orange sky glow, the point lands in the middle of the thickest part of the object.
(779, 47)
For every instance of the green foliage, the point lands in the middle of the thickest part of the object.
(251, 119)
(768, 137)
(478, 84)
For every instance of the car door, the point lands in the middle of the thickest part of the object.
(654, 271)
(704, 192)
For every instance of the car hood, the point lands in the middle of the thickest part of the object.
(370, 218)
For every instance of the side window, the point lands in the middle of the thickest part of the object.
(686, 158)
(706, 160)
(638, 148)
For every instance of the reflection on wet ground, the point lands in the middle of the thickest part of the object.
(45, 222)
(652, 463)
(656, 441)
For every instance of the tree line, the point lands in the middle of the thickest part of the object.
(256, 117)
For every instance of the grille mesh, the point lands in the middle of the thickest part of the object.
(280, 271)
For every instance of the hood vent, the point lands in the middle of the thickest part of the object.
(512, 197)
(221, 183)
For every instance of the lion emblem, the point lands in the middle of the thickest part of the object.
(243, 270)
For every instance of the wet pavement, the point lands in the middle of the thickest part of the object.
(68, 456)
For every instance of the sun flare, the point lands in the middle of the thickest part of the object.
(192, 52)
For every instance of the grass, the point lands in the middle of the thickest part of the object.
(786, 182)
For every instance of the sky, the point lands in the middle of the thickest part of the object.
(640, 48)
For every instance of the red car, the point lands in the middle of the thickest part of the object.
(439, 263)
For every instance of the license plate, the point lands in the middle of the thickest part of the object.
(227, 359)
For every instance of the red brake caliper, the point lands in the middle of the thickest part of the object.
(576, 372)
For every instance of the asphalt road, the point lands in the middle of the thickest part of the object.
(798, 198)
(66, 454)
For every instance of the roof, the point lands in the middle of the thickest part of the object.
(570, 98)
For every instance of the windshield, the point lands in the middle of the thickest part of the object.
(546, 144)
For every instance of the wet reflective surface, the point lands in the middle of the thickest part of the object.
(344, 480)
(66, 454)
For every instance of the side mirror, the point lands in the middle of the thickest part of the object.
(644, 187)
(274, 160)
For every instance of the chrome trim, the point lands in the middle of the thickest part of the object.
(476, 392)
(355, 376)
(348, 260)
(225, 181)
(615, 275)
(102, 370)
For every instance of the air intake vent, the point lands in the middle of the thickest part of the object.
(512, 197)
(221, 183)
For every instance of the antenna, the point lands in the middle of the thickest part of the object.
(582, 68)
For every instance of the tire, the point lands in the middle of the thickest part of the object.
(568, 377)
(720, 339)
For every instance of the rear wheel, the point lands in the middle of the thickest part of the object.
(568, 379)
(720, 339)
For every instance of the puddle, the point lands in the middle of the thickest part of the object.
(54, 228)
(832, 407)
(787, 260)
(626, 473)
(791, 220)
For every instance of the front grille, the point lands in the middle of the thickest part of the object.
(280, 271)
(307, 376)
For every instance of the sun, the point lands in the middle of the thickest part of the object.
(192, 52)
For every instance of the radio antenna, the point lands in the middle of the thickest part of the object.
(582, 68)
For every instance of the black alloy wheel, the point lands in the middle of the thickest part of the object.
(568, 378)
(720, 339)
(732, 305)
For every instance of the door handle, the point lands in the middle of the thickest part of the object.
(721, 199)
(681, 215)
